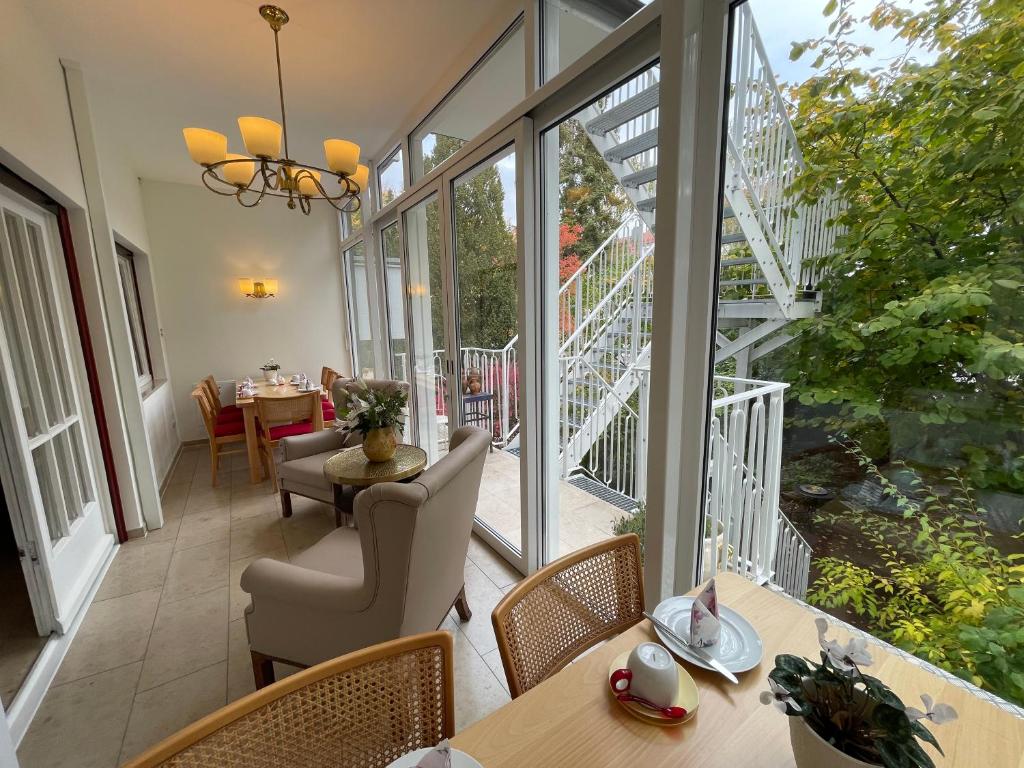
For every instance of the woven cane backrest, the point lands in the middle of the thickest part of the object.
(202, 398)
(565, 608)
(213, 390)
(328, 377)
(362, 710)
(304, 406)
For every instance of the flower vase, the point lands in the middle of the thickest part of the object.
(268, 374)
(379, 444)
(812, 751)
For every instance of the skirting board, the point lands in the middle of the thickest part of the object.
(30, 696)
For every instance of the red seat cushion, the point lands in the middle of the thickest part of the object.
(287, 430)
(328, 410)
(230, 409)
(224, 417)
(229, 428)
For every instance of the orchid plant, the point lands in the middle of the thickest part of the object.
(367, 409)
(856, 713)
(271, 365)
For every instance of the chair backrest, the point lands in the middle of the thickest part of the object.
(213, 390)
(554, 615)
(327, 377)
(416, 535)
(202, 398)
(366, 708)
(304, 406)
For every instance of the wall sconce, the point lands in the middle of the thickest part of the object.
(258, 289)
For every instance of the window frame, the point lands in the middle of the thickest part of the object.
(126, 260)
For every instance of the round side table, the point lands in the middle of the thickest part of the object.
(351, 467)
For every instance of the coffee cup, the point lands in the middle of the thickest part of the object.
(650, 674)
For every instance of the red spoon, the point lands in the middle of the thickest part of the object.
(675, 713)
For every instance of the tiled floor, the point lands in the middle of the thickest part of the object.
(20, 643)
(164, 642)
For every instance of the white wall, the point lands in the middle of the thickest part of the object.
(200, 245)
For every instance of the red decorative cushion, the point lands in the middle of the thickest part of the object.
(229, 428)
(287, 430)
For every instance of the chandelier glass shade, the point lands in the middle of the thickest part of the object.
(266, 170)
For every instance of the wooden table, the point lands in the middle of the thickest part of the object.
(351, 467)
(248, 406)
(572, 720)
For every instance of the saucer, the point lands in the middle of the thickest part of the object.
(739, 649)
(687, 697)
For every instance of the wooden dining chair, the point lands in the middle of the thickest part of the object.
(219, 433)
(223, 412)
(553, 616)
(366, 708)
(281, 417)
(327, 377)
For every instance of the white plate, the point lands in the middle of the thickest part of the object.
(459, 759)
(739, 648)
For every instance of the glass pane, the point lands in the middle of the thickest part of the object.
(351, 222)
(51, 317)
(49, 488)
(599, 226)
(20, 352)
(76, 437)
(486, 264)
(40, 352)
(570, 28)
(360, 324)
(390, 178)
(400, 368)
(131, 300)
(68, 474)
(426, 305)
(493, 87)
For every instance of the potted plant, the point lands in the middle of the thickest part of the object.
(840, 717)
(375, 414)
(270, 369)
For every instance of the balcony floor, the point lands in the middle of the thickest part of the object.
(583, 519)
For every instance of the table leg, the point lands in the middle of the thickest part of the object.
(252, 445)
(342, 509)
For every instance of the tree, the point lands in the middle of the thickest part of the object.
(923, 318)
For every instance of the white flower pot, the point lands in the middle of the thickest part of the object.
(269, 375)
(812, 751)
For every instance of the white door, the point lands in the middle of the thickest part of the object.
(48, 441)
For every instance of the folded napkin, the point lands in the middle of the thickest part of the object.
(441, 757)
(705, 628)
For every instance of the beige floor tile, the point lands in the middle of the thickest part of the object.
(114, 633)
(497, 568)
(256, 535)
(188, 635)
(253, 505)
(482, 595)
(204, 527)
(240, 679)
(477, 690)
(82, 723)
(136, 568)
(196, 570)
(207, 498)
(239, 598)
(493, 661)
(304, 529)
(166, 709)
(168, 533)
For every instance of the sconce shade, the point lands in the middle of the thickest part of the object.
(270, 286)
(258, 289)
(262, 137)
(205, 147)
(239, 174)
(361, 176)
(245, 285)
(342, 156)
(306, 185)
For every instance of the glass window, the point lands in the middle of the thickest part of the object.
(570, 28)
(390, 178)
(351, 223)
(136, 323)
(400, 368)
(491, 88)
(359, 310)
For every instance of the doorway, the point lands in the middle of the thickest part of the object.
(20, 641)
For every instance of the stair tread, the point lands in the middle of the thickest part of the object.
(634, 146)
(643, 176)
(631, 108)
(648, 204)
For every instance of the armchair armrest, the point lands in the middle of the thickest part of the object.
(300, 446)
(303, 587)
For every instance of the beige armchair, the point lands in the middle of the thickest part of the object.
(397, 574)
(301, 470)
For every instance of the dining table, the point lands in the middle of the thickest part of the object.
(248, 406)
(572, 719)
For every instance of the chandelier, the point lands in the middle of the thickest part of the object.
(265, 171)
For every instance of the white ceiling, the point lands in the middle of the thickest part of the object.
(352, 69)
